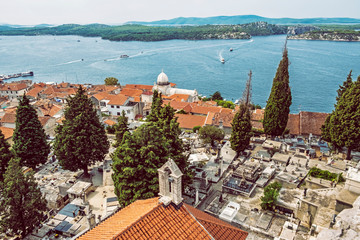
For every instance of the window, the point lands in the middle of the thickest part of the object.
(128, 111)
(118, 113)
(117, 106)
(112, 106)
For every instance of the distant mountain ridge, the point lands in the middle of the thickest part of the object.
(242, 19)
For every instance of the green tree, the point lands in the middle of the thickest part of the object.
(111, 81)
(278, 105)
(121, 128)
(81, 140)
(271, 193)
(210, 134)
(217, 96)
(135, 163)
(241, 129)
(155, 107)
(21, 203)
(30, 143)
(342, 127)
(5, 155)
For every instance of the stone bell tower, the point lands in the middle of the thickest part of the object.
(170, 183)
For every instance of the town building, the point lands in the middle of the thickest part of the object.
(166, 88)
(166, 217)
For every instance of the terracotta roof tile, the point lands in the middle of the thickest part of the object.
(8, 132)
(205, 110)
(118, 99)
(34, 92)
(216, 227)
(44, 120)
(13, 86)
(131, 92)
(226, 118)
(101, 95)
(109, 122)
(293, 124)
(147, 219)
(187, 121)
(311, 122)
(8, 118)
(177, 105)
(257, 114)
(139, 86)
(179, 97)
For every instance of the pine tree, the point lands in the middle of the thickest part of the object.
(343, 124)
(210, 134)
(30, 143)
(21, 203)
(81, 140)
(135, 163)
(121, 128)
(278, 105)
(5, 155)
(241, 124)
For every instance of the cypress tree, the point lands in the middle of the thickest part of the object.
(5, 155)
(29, 136)
(81, 140)
(21, 203)
(328, 129)
(241, 128)
(344, 124)
(241, 124)
(155, 107)
(121, 128)
(278, 105)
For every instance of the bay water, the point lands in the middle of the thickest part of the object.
(317, 67)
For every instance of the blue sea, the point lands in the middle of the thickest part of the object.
(316, 71)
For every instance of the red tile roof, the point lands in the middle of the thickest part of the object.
(178, 97)
(305, 123)
(187, 121)
(219, 229)
(139, 86)
(257, 114)
(44, 120)
(118, 99)
(13, 86)
(131, 92)
(8, 132)
(109, 122)
(205, 110)
(311, 122)
(148, 219)
(8, 118)
(226, 118)
(293, 124)
(34, 92)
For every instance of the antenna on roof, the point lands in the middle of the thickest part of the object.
(246, 98)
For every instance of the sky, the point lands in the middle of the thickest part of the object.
(31, 12)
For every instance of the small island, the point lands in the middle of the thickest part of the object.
(133, 32)
(329, 35)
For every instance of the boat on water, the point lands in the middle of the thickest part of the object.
(231, 49)
(222, 60)
(124, 56)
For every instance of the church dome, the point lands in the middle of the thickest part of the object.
(162, 79)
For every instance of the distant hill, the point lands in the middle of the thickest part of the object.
(242, 19)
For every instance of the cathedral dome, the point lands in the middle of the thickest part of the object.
(162, 79)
